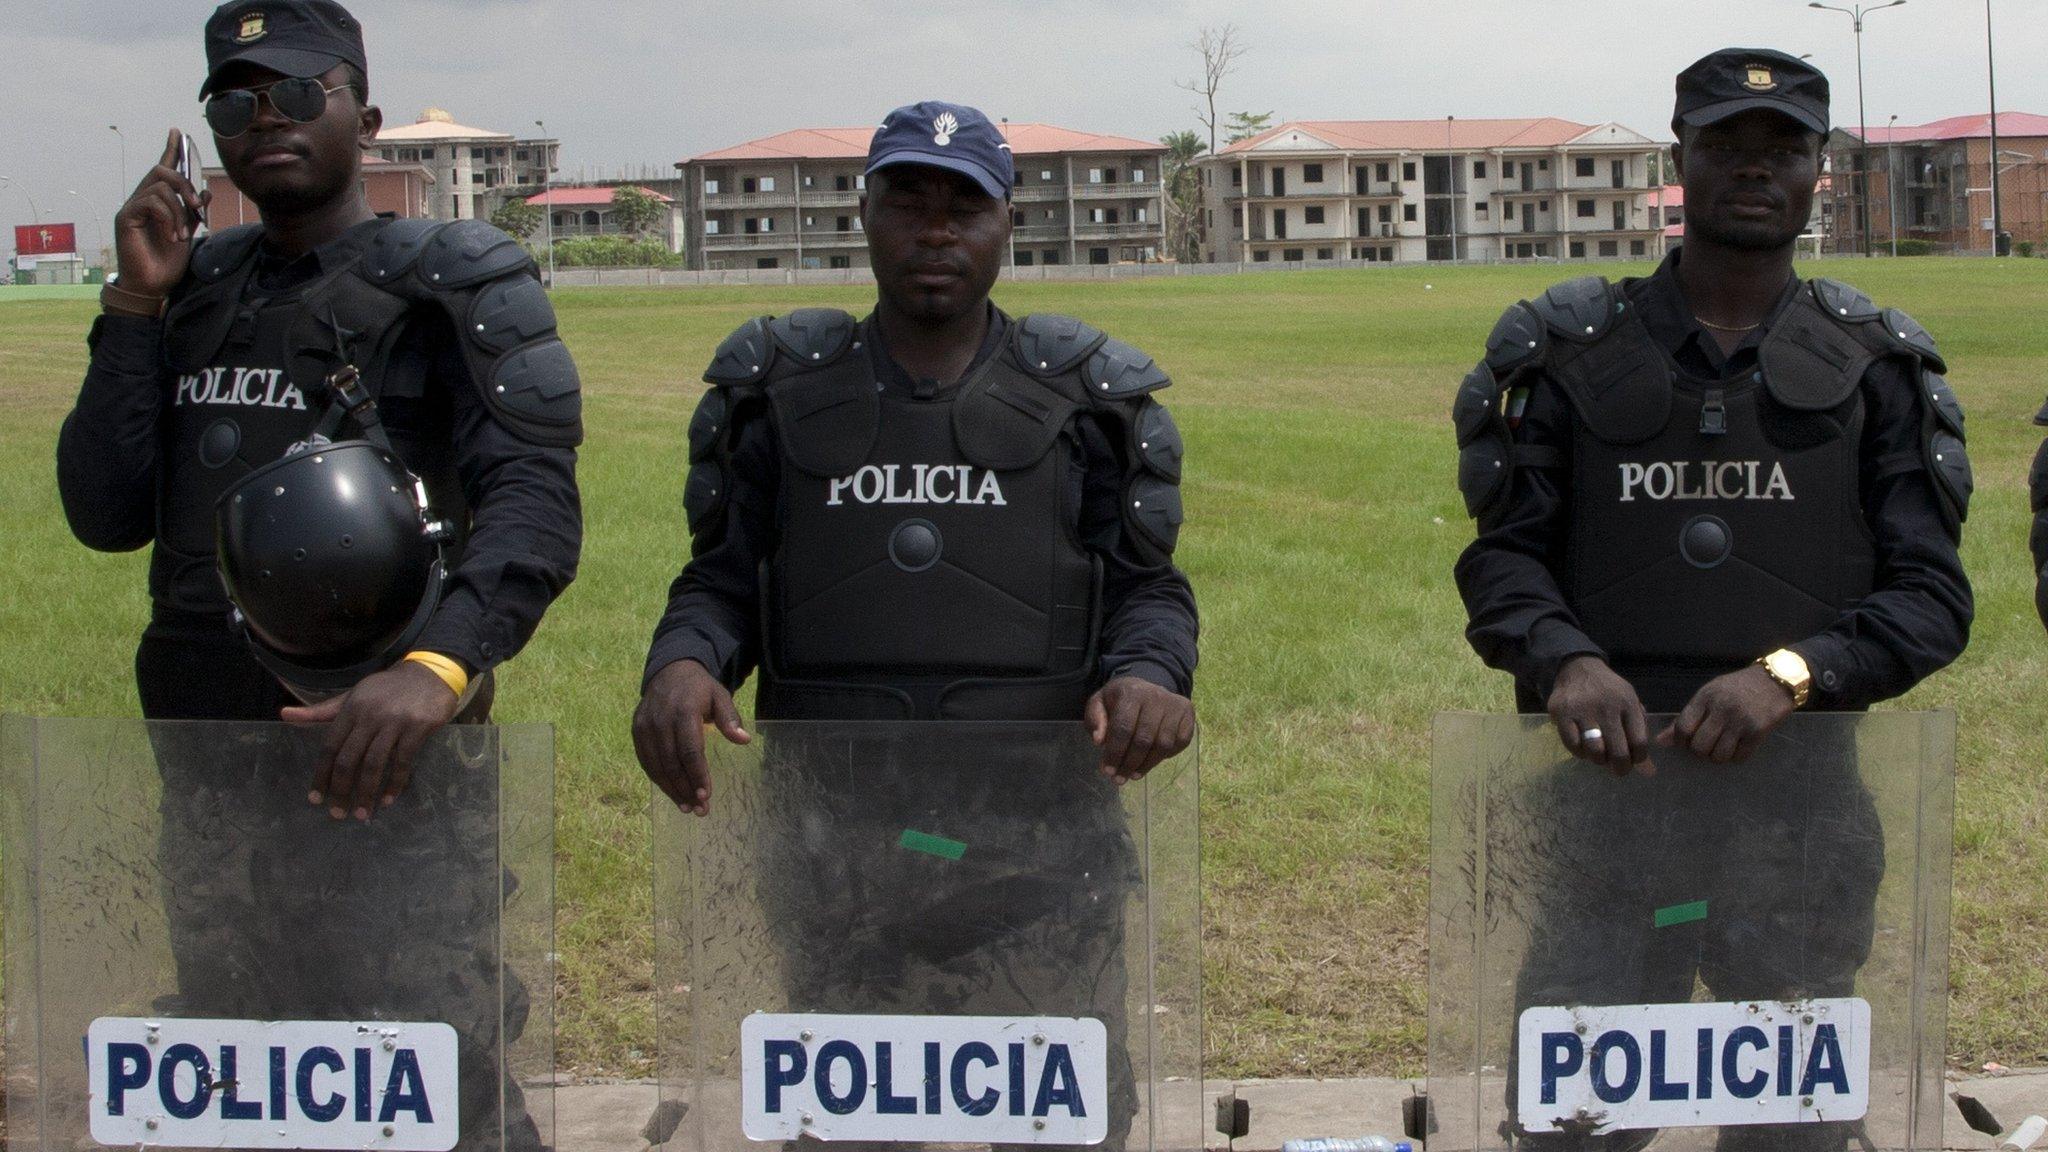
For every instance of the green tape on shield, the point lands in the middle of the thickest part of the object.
(931, 845)
(1681, 914)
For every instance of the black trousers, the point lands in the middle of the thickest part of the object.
(276, 911)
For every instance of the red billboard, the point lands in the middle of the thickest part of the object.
(45, 239)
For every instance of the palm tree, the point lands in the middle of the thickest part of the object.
(1183, 194)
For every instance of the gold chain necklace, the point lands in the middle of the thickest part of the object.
(1727, 327)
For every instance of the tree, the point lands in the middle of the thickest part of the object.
(1220, 49)
(635, 211)
(518, 218)
(1183, 194)
(1245, 125)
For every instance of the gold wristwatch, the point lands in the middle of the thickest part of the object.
(1789, 669)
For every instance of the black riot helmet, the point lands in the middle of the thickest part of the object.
(329, 555)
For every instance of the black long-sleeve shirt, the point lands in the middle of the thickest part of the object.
(1149, 621)
(1914, 622)
(525, 525)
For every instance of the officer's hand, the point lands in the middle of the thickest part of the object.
(374, 730)
(668, 731)
(153, 230)
(1730, 716)
(1137, 724)
(1589, 697)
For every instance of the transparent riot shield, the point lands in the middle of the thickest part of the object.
(1750, 957)
(922, 933)
(198, 957)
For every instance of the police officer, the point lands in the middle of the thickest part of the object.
(210, 360)
(1728, 493)
(939, 512)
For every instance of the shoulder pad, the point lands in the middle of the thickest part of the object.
(222, 252)
(742, 357)
(396, 248)
(1581, 309)
(1049, 345)
(1517, 338)
(510, 312)
(467, 252)
(537, 393)
(813, 336)
(1843, 302)
(1118, 371)
(1907, 333)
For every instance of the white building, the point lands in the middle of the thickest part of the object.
(474, 169)
(1412, 190)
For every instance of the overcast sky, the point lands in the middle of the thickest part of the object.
(648, 82)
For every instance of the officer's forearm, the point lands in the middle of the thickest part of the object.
(526, 535)
(107, 450)
(1151, 632)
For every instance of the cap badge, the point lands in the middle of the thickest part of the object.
(1759, 79)
(943, 129)
(252, 29)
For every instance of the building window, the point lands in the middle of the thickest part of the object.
(749, 184)
(592, 220)
(1543, 250)
(1636, 248)
(1045, 175)
(841, 184)
(1137, 175)
(1312, 215)
(711, 227)
(1279, 223)
(1582, 166)
(1379, 173)
(750, 226)
(1023, 257)
(1098, 255)
(807, 181)
(1408, 212)
(1479, 169)
(810, 221)
(1543, 205)
(1364, 221)
(1610, 248)
(1325, 253)
(711, 187)
(1291, 254)
(1578, 249)
(1048, 213)
(1095, 175)
(1049, 256)
(767, 262)
(1017, 217)
(1480, 209)
(1311, 173)
(1387, 214)
(767, 183)
(1586, 208)
(1507, 169)
(1138, 215)
(1237, 177)
(843, 224)
(838, 262)
(861, 182)
(1261, 257)
(1620, 215)
(1543, 165)
(1408, 170)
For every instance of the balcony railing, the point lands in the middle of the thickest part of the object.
(749, 199)
(1087, 231)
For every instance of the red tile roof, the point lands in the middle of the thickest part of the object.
(852, 144)
(1959, 128)
(584, 197)
(1420, 135)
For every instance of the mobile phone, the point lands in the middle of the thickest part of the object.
(190, 168)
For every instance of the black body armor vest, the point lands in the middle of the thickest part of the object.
(927, 563)
(249, 371)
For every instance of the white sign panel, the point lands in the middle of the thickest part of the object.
(1686, 1065)
(275, 1084)
(951, 1079)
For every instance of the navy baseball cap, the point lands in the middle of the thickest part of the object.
(292, 37)
(950, 136)
(1722, 84)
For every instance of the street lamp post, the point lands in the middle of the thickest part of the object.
(35, 214)
(1991, 68)
(116, 130)
(1856, 15)
(547, 207)
(97, 227)
(1891, 177)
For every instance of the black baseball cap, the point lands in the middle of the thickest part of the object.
(1721, 84)
(294, 37)
(950, 136)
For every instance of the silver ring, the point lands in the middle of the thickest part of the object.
(1589, 734)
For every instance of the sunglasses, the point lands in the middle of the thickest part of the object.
(298, 99)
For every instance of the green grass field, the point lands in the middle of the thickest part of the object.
(1322, 525)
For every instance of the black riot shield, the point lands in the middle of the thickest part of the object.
(197, 957)
(1748, 957)
(923, 933)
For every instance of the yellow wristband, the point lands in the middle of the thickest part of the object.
(448, 670)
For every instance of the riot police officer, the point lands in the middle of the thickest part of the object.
(939, 512)
(214, 358)
(1728, 493)
(1719, 490)
(210, 359)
